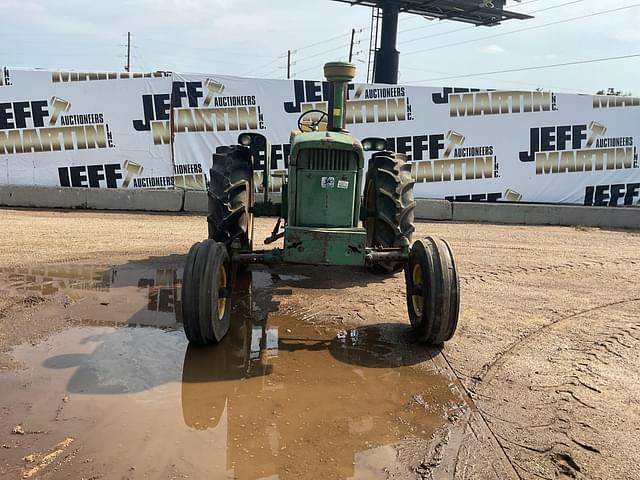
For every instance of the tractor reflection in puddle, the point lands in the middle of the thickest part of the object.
(105, 295)
(303, 402)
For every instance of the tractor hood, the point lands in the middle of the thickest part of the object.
(325, 140)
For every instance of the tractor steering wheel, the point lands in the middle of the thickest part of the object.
(313, 125)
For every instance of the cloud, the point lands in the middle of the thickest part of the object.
(493, 49)
(238, 36)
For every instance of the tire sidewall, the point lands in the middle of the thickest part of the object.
(202, 271)
(441, 299)
(421, 323)
(189, 305)
(218, 258)
(454, 306)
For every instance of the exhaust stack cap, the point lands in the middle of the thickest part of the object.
(338, 74)
(339, 71)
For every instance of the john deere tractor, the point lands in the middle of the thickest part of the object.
(319, 217)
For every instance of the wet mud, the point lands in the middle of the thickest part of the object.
(121, 394)
(545, 357)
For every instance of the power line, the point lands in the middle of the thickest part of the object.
(325, 52)
(535, 27)
(504, 33)
(437, 23)
(515, 82)
(316, 55)
(142, 63)
(277, 69)
(555, 6)
(204, 49)
(367, 28)
(361, 29)
(268, 64)
(316, 66)
(539, 67)
(522, 4)
(309, 57)
(446, 22)
(474, 27)
(327, 40)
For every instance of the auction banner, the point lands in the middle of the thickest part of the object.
(464, 144)
(210, 111)
(75, 129)
(546, 147)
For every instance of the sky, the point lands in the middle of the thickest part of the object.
(252, 37)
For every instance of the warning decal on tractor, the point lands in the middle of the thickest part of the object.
(328, 182)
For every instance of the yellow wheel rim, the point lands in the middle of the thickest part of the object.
(222, 283)
(417, 298)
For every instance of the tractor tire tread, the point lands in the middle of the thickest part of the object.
(439, 319)
(394, 203)
(230, 197)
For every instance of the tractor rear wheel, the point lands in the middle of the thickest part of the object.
(388, 204)
(433, 290)
(206, 293)
(231, 197)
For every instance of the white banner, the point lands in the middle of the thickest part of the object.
(77, 129)
(465, 145)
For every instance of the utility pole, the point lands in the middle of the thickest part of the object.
(127, 67)
(288, 64)
(353, 36)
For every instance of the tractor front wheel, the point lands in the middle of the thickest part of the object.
(206, 293)
(433, 290)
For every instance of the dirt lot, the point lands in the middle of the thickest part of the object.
(540, 380)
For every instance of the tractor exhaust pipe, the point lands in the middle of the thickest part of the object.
(338, 74)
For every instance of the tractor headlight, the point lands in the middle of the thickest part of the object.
(374, 144)
(245, 139)
(380, 145)
(253, 140)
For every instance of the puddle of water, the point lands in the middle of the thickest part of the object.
(278, 398)
(134, 294)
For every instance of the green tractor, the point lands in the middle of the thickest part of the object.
(319, 217)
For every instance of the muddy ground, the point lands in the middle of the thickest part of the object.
(320, 376)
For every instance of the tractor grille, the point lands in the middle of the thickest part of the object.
(320, 159)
